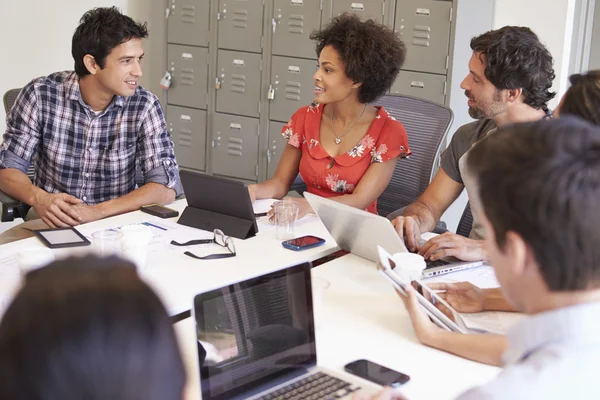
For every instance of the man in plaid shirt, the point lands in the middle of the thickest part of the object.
(85, 131)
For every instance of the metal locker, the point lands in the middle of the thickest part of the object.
(188, 132)
(238, 82)
(292, 23)
(291, 87)
(188, 22)
(240, 25)
(189, 68)
(277, 143)
(235, 146)
(426, 86)
(366, 9)
(424, 26)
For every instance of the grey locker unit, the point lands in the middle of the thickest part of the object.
(235, 146)
(188, 22)
(277, 143)
(291, 87)
(366, 9)
(292, 23)
(189, 68)
(240, 25)
(238, 84)
(424, 26)
(426, 86)
(188, 132)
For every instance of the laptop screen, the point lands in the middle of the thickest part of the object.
(255, 331)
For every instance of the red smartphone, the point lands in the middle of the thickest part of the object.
(303, 243)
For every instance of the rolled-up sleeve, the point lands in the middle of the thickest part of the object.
(22, 136)
(156, 152)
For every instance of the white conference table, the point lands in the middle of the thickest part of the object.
(177, 278)
(361, 316)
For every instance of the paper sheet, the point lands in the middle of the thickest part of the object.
(263, 206)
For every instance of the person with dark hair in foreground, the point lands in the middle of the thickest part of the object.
(509, 81)
(343, 147)
(538, 188)
(86, 131)
(88, 328)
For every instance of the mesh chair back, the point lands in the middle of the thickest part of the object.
(465, 225)
(427, 126)
(9, 99)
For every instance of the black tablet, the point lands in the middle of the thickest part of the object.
(61, 237)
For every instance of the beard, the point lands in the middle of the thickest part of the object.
(485, 109)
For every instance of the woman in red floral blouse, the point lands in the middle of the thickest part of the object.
(343, 147)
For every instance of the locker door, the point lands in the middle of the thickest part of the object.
(424, 26)
(426, 86)
(188, 132)
(240, 25)
(189, 68)
(188, 22)
(293, 21)
(239, 82)
(366, 9)
(292, 86)
(276, 145)
(235, 146)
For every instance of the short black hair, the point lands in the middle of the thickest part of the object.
(371, 52)
(583, 97)
(100, 30)
(88, 328)
(515, 58)
(541, 180)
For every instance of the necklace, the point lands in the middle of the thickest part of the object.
(338, 138)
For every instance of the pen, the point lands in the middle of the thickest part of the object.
(154, 226)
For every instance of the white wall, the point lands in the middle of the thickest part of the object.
(35, 38)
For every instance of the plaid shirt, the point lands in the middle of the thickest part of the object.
(76, 151)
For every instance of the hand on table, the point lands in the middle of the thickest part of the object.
(452, 245)
(303, 207)
(57, 209)
(88, 213)
(408, 227)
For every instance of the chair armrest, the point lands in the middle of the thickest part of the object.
(7, 200)
(11, 208)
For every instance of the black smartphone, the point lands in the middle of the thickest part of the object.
(303, 243)
(376, 373)
(159, 211)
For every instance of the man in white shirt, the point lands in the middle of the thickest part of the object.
(538, 186)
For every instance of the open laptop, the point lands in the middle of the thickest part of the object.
(256, 340)
(359, 232)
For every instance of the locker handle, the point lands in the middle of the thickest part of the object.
(297, 2)
(217, 83)
(417, 84)
(423, 11)
(271, 93)
(358, 6)
(268, 156)
(233, 125)
(274, 24)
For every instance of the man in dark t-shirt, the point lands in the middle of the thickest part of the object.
(509, 80)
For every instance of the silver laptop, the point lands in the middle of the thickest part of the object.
(359, 232)
(256, 340)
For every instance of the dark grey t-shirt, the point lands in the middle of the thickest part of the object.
(464, 138)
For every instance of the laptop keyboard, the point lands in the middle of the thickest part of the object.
(436, 263)
(319, 386)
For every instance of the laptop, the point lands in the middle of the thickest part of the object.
(256, 340)
(360, 232)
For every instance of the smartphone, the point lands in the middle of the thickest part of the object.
(303, 243)
(159, 211)
(376, 373)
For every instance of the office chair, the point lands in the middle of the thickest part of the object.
(12, 208)
(465, 225)
(427, 124)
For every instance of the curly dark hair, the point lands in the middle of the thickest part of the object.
(515, 58)
(583, 97)
(100, 30)
(371, 52)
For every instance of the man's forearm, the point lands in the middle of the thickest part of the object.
(483, 348)
(17, 185)
(150, 193)
(494, 300)
(423, 214)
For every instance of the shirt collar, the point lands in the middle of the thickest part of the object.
(74, 92)
(574, 324)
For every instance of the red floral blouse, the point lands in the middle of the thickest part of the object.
(385, 140)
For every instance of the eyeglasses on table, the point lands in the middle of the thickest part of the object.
(219, 238)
